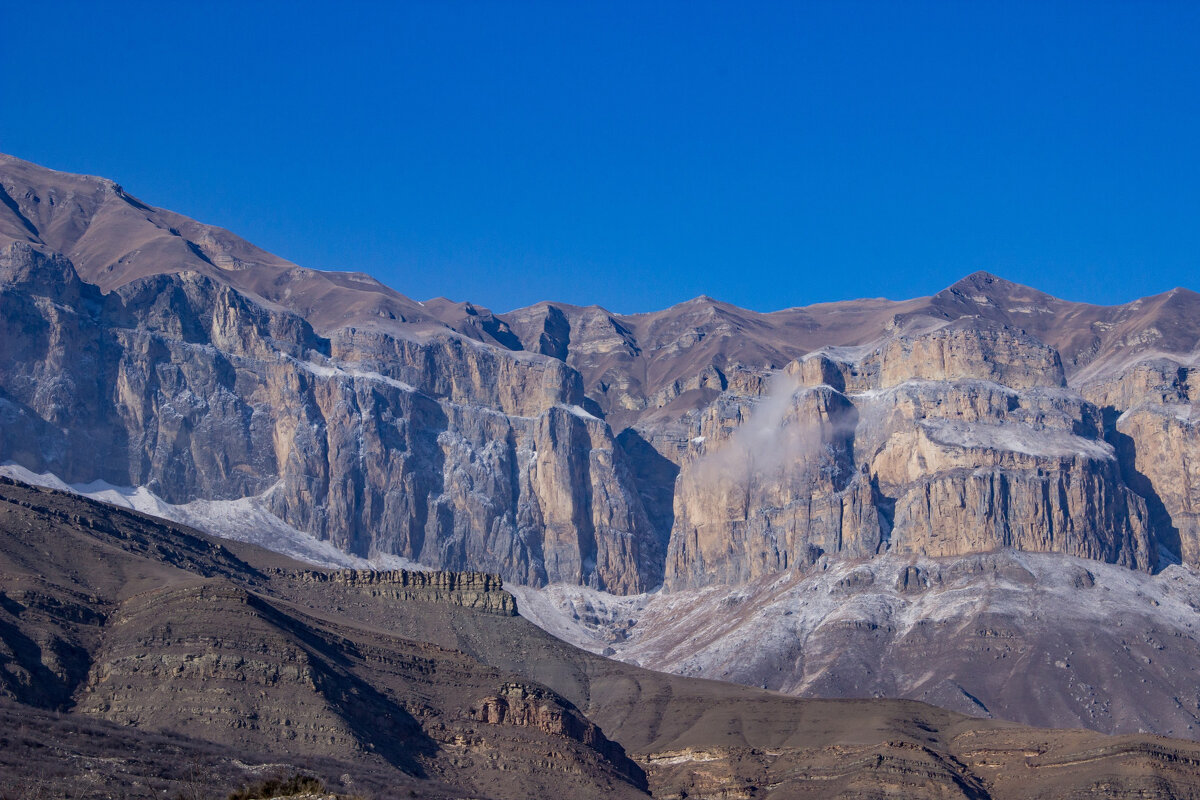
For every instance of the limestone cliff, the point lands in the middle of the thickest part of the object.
(1153, 421)
(959, 440)
(702, 443)
(439, 450)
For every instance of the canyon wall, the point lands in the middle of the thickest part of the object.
(960, 440)
(699, 444)
(440, 450)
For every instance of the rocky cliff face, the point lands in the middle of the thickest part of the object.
(439, 450)
(960, 440)
(1152, 417)
(700, 444)
(887, 446)
(473, 590)
(529, 706)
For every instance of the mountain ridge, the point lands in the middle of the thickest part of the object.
(210, 240)
(645, 375)
(701, 447)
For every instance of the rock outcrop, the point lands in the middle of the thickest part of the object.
(960, 440)
(699, 444)
(529, 706)
(477, 591)
(440, 450)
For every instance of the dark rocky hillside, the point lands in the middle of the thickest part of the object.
(141, 658)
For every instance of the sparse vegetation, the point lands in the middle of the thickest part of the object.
(279, 787)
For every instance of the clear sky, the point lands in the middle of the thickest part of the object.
(636, 155)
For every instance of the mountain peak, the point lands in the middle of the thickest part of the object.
(981, 279)
(982, 285)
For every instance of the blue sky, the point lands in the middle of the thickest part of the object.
(636, 155)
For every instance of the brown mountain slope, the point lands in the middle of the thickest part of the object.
(113, 239)
(110, 616)
(633, 365)
(193, 650)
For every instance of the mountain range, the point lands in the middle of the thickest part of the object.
(987, 499)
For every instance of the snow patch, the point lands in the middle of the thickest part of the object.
(846, 354)
(334, 371)
(1181, 412)
(1015, 437)
(579, 412)
(244, 520)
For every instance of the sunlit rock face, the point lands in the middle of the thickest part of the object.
(701, 444)
(960, 440)
(1153, 417)
(441, 450)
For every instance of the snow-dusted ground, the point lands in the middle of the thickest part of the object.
(1016, 437)
(243, 520)
(1188, 414)
(717, 625)
(333, 370)
(587, 618)
(1044, 639)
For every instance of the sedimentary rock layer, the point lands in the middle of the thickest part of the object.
(442, 451)
(960, 440)
(570, 444)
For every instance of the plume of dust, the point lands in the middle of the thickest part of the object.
(779, 452)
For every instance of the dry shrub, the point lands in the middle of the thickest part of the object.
(279, 787)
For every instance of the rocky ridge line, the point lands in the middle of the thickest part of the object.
(474, 590)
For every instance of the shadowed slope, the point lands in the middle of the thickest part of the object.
(168, 632)
(184, 637)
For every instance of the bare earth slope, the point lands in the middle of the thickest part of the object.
(111, 616)
(391, 682)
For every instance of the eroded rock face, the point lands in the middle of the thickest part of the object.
(534, 707)
(963, 350)
(473, 590)
(956, 441)
(574, 444)
(1153, 422)
(773, 492)
(440, 450)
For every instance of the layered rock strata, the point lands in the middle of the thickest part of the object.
(481, 592)
(960, 440)
(571, 444)
(529, 706)
(440, 450)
